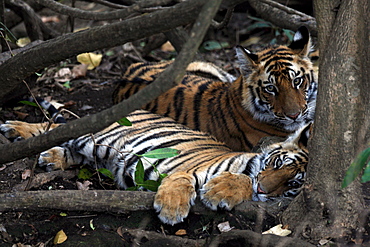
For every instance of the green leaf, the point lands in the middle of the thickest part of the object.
(161, 153)
(134, 188)
(84, 174)
(151, 185)
(92, 225)
(289, 34)
(258, 25)
(356, 167)
(256, 19)
(9, 35)
(366, 176)
(67, 84)
(106, 172)
(214, 45)
(139, 173)
(162, 176)
(25, 102)
(124, 121)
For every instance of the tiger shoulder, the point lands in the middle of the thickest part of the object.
(274, 95)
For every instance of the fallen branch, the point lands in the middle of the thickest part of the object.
(92, 124)
(250, 238)
(42, 178)
(283, 16)
(107, 15)
(58, 49)
(115, 201)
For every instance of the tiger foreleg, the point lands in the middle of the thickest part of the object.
(18, 130)
(226, 190)
(55, 158)
(175, 196)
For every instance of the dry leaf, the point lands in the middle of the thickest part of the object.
(167, 47)
(278, 230)
(60, 237)
(57, 105)
(53, 18)
(63, 75)
(21, 115)
(251, 41)
(92, 60)
(224, 227)
(181, 232)
(83, 186)
(120, 232)
(23, 41)
(79, 70)
(86, 107)
(324, 241)
(26, 174)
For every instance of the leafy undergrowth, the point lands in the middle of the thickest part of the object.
(83, 92)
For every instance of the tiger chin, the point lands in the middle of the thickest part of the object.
(204, 167)
(274, 95)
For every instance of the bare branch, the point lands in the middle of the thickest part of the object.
(283, 16)
(55, 50)
(36, 29)
(111, 201)
(99, 121)
(107, 15)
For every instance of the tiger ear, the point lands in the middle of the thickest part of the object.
(246, 59)
(301, 43)
(301, 136)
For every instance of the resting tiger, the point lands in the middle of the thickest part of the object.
(275, 99)
(223, 178)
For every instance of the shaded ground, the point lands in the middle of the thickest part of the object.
(90, 94)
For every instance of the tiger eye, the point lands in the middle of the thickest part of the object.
(297, 81)
(270, 89)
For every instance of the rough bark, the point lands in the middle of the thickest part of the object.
(91, 124)
(55, 50)
(250, 238)
(283, 16)
(115, 201)
(342, 124)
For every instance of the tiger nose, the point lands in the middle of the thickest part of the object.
(293, 115)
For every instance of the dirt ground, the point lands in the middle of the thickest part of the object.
(89, 94)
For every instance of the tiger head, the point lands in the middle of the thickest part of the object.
(283, 167)
(281, 87)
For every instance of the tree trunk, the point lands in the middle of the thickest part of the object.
(342, 124)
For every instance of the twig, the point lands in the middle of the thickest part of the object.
(283, 16)
(110, 4)
(91, 124)
(225, 21)
(107, 15)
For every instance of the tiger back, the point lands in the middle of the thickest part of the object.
(274, 99)
(204, 166)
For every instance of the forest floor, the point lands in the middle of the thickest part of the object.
(90, 93)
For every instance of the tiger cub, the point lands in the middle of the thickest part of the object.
(223, 178)
(274, 96)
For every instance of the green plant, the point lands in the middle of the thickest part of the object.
(124, 121)
(356, 167)
(151, 185)
(139, 178)
(277, 32)
(9, 36)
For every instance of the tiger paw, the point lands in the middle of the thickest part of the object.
(14, 130)
(54, 159)
(18, 130)
(226, 190)
(174, 198)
